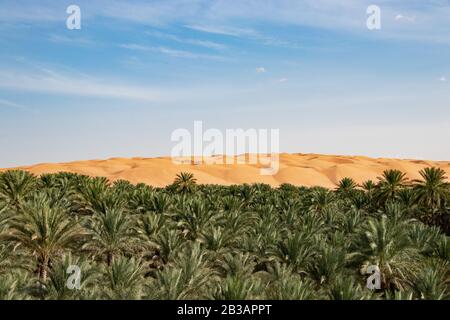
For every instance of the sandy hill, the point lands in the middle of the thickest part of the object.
(298, 169)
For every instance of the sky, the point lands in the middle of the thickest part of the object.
(138, 70)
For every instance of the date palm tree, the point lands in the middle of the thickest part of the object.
(45, 231)
(346, 187)
(237, 288)
(390, 183)
(124, 279)
(185, 182)
(386, 244)
(15, 186)
(222, 242)
(432, 193)
(288, 285)
(431, 282)
(111, 234)
(433, 189)
(63, 282)
(296, 251)
(345, 288)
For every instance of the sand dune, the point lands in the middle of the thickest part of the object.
(298, 169)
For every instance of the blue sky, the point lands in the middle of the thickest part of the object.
(138, 70)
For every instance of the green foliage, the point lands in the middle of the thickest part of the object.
(190, 241)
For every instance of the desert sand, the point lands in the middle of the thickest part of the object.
(297, 169)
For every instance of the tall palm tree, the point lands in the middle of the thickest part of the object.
(321, 199)
(185, 182)
(369, 186)
(390, 183)
(433, 189)
(328, 265)
(346, 186)
(44, 230)
(432, 193)
(296, 251)
(386, 244)
(112, 233)
(59, 278)
(15, 186)
(124, 279)
(194, 216)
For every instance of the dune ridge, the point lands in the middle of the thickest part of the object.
(297, 169)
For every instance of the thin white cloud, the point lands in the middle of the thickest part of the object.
(443, 79)
(431, 22)
(222, 30)
(49, 82)
(55, 83)
(196, 42)
(261, 70)
(401, 17)
(10, 104)
(172, 52)
(72, 41)
(282, 80)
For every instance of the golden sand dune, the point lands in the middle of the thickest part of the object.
(298, 169)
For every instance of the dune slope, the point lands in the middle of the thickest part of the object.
(298, 169)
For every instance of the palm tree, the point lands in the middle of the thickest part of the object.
(15, 186)
(167, 285)
(296, 251)
(390, 183)
(168, 242)
(12, 287)
(111, 233)
(433, 189)
(237, 288)
(386, 244)
(321, 199)
(236, 264)
(291, 287)
(44, 230)
(124, 279)
(59, 278)
(432, 193)
(185, 182)
(219, 242)
(328, 265)
(431, 282)
(346, 186)
(194, 216)
(368, 186)
(345, 288)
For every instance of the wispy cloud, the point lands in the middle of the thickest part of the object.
(260, 70)
(55, 83)
(195, 42)
(245, 33)
(401, 17)
(172, 52)
(223, 30)
(10, 104)
(71, 40)
(239, 18)
(443, 79)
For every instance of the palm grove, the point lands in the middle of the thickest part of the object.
(190, 241)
